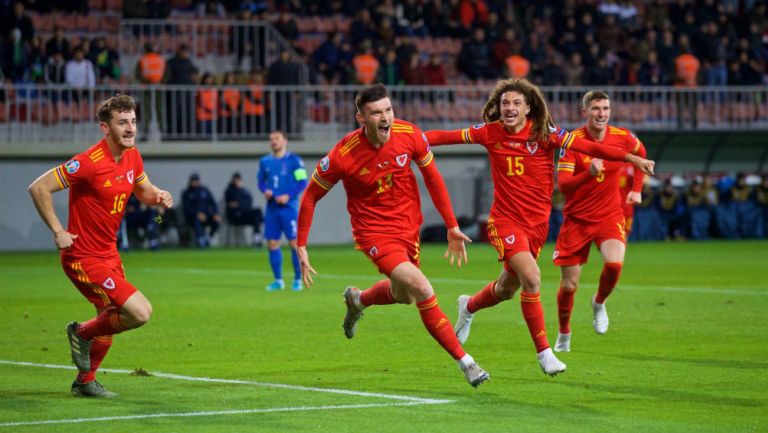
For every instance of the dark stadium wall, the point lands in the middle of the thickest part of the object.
(22, 229)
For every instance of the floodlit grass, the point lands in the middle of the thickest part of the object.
(686, 351)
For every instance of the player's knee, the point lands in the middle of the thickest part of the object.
(531, 282)
(569, 284)
(141, 316)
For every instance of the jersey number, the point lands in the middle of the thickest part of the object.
(385, 183)
(515, 166)
(600, 176)
(118, 204)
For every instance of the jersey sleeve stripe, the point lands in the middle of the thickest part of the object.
(61, 178)
(426, 160)
(321, 182)
(466, 135)
(567, 140)
(142, 177)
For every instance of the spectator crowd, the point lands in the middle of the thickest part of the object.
(566, 42)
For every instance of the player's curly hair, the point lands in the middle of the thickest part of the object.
(120, 103)
(539, 113)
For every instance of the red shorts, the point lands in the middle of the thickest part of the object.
(102, 281)
(574, 240)
(510, 239)
(387, 252)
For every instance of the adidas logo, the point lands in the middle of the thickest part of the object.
(364, 171)
(107, 184)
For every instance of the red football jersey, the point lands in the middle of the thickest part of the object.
(382, 193)
(99, 188)
(599, 197)
(522, 170)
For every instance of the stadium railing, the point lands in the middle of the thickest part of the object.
(52, 114)
(216, 45)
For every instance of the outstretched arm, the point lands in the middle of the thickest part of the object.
(606, 152)
(440, 138)
(312, 195)
(42, 190)
(439, 194)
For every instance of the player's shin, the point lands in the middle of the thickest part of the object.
(378, 294)
(485, 298)
(108, 322)
(99, 348)
(439, 327)
(564, 309)
(533, 313)
(608, 280)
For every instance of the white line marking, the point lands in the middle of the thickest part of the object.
(751, 291)
(245, 382)
(211, 413)
(405, 400)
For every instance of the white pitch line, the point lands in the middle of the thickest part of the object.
(211, 413)
(407, 398)
(755, 292)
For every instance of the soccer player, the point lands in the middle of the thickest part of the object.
(282, 178)
(593, 213)
(374, 164)
(100, 180)
(521, 141)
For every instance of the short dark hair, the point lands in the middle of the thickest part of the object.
(120, 103)
(594, 95)
(372, 93)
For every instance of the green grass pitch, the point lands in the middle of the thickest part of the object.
(686, 351)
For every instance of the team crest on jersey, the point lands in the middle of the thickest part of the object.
(129, 176)
(402, 159)
(325, 163)
(478, 125)
(72, 166)
(373, 252)
(532, 147)
(109, 283)
(510, 239)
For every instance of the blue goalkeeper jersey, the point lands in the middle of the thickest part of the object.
(285, 175)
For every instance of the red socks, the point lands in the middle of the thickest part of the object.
(484, 298)
(106, 323)
(99, 348)
(439, 327)
(608, 279)
(378, 294)
(564, 309)
(533, 314)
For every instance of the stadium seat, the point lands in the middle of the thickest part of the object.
(3, 113)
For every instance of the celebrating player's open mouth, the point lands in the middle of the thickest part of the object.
(384, 131)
